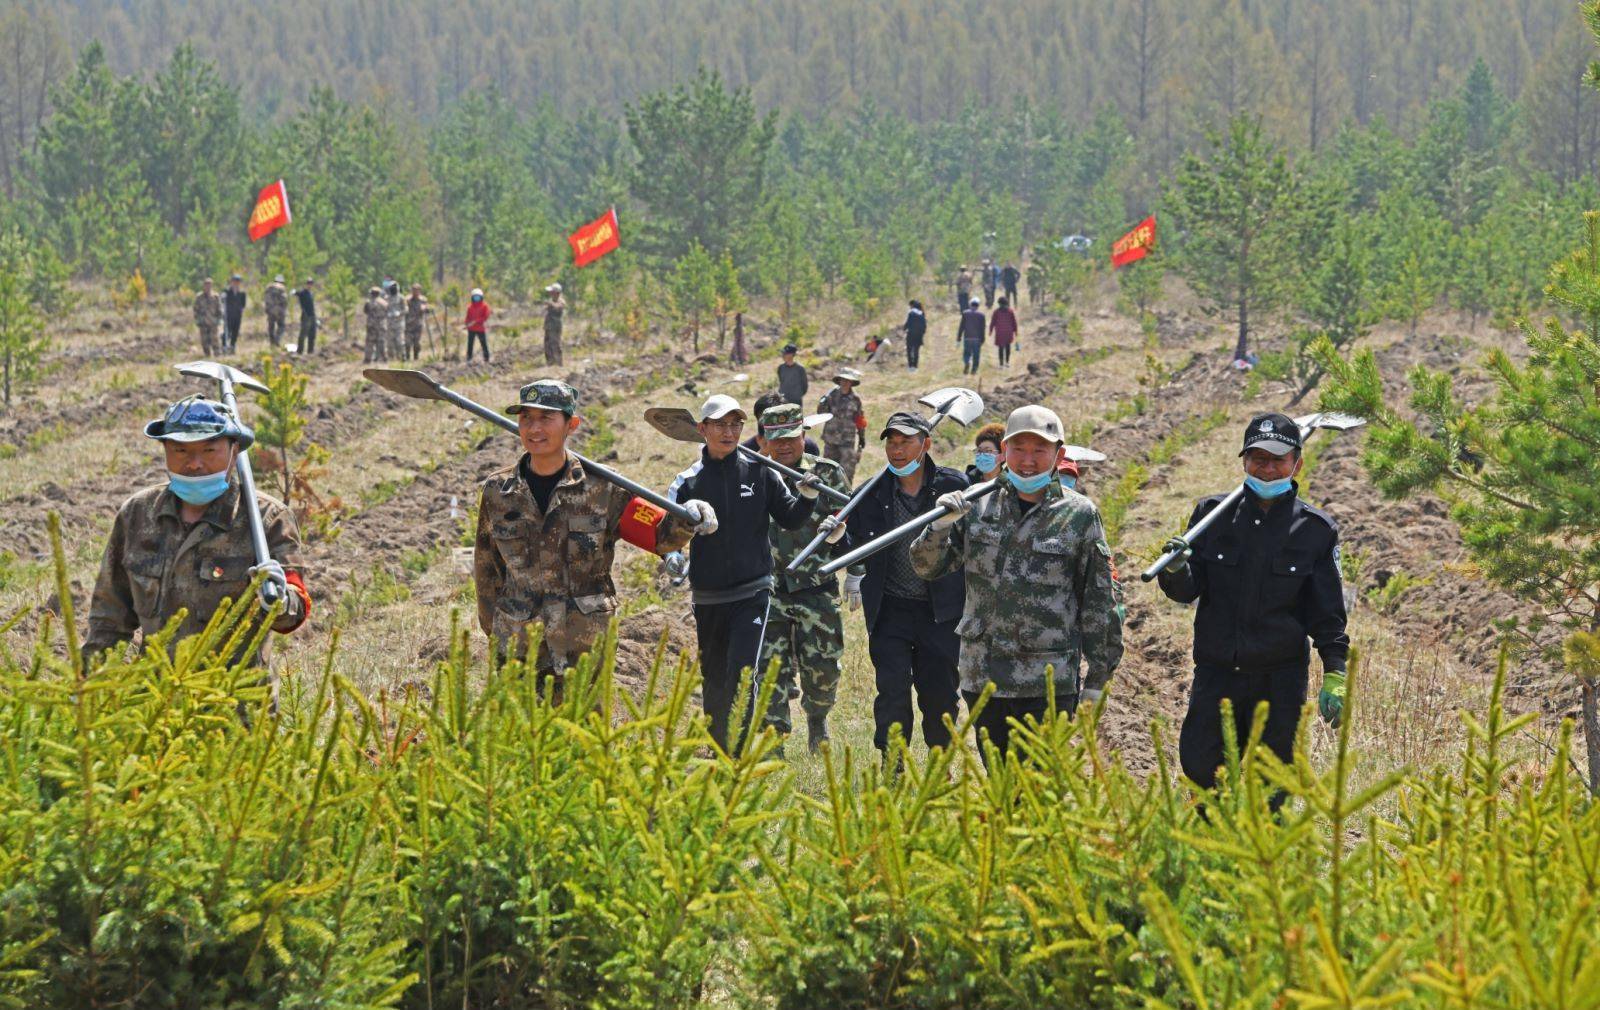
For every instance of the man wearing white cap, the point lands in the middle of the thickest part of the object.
(1040, 601)
(730, 564)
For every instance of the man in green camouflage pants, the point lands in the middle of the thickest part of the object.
(1040, 598)
(805, 632)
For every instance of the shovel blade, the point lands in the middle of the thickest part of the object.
(817, 420)
(405, 381)
(1083, 454)
(961, 405)
(216, 371)
(674, 422)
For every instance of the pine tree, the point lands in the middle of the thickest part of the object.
(22, 335)
(1522, 471)
(1239, 208)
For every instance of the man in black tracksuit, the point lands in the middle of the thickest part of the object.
(233, 302)
(1266, 575)
(911, 622)
(730, 564)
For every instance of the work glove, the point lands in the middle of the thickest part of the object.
(956, 507)
(808, 486)
(1180, 561)
(861, 439)
(833, 528)
(705, 518)
(275, 586)
(1330, 700)
(852, 591)
(677, 566)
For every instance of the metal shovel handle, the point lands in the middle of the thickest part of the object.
(1193, 534)
(907, 529)
(860, 495)
(605, 473)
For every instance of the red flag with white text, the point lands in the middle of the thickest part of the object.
(1135, 245)
(271, 211)
(595, 239)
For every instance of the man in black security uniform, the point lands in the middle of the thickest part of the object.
(730, 565)
(1266, 576)
(911, 621)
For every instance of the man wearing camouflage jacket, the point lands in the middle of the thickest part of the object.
(805, 632)
(845, 433)
(1040, 600)
(185, 545)
(207, 316)
(376, 312)
(547, 532)
(276, 302)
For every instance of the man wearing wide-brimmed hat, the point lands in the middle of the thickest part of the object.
(845, 434)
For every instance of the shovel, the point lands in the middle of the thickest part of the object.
(226, 377)
(909, 528)
(1307, 424)
(422, 386)
(957, 402)
(678, 424)
(1082, 454)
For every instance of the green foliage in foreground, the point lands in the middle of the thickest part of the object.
(483, 847)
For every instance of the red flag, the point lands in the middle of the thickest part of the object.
(595, 239)
(272, 211)
(1135, 245)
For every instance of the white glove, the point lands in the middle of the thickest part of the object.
(808, 487)
(275, 579)
(705, 518)
(677, 566)
(1091, 695)
(852, 591)
(833, 527)
(956, 508)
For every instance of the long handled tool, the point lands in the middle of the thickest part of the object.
(422, 386)
(226, 377)
(909, 528)
(956, 402)
(1307, 424)
(678, 424)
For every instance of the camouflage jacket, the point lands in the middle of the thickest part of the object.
(416, 305)
(208, 310)
(276, 301)
(845, 408)
(787, 543)
(1039, 592)
(550, 566)
(154, 566)
(377, 312)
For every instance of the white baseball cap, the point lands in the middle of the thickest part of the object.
(1034, 420)
(719, 405)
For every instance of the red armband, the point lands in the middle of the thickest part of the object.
(297, 585)
(639, 522)
(861, 422)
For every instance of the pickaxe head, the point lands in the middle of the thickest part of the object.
(220, 373)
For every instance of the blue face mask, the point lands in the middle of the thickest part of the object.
(985, 461)
(1268, 489)
(477, 298)
(1069, 481)
(1028, 485)
(907, 470)
(198, 490)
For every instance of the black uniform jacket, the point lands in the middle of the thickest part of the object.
(1267, 580)
(875, 516)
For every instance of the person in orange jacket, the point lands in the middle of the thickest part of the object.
(477, 323)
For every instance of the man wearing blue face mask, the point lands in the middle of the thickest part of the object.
(185, 544)
(1266, 576)
(911, 621)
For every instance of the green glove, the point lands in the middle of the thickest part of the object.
(1330, 700)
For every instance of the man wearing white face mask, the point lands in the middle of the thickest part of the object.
(1266, 576)
(185, 544)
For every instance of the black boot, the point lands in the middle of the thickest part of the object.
(817, 730)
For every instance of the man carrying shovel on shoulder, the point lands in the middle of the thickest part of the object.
(730, 563)
(805, 631)
(187, 544)
(547, 532)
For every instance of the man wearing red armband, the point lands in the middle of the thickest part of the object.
(547, 532)
(185, 545)
(845, 433)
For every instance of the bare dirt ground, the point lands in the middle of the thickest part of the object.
(390, 576)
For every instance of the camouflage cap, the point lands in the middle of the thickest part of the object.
(546, 394)
(786, 420)
(847, 374)
(196, 420)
